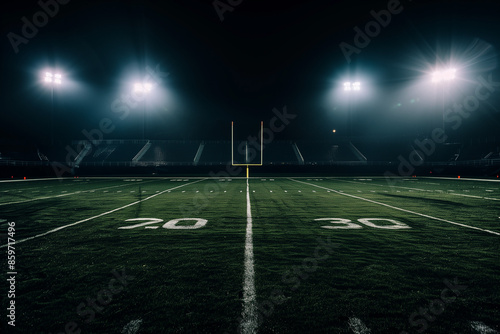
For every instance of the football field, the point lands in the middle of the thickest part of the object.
(267, 255)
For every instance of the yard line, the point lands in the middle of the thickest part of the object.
(479, 197)
(100, 215)
(377, 185)
(471, 196)
(249, 314)
(69, 194)
(400, 209)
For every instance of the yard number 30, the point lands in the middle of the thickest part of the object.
(341, 223)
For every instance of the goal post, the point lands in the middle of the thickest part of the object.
(246, 150)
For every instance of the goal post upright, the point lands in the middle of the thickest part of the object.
(246, 159)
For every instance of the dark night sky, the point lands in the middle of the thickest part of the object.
(264, 55)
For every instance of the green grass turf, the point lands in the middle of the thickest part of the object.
(191, 280)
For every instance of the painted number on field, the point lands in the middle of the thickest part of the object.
(340, 223)
(171, 225)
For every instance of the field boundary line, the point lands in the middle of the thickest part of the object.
(399, 209)
(102, 214)
(457, 179)
(69, 194)
(417, 189)
(249, 313)
(30, 180)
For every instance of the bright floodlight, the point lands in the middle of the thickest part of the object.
(350, 86)
(446, 75)
(53, 78)
(143, 87)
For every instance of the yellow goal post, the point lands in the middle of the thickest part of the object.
(261, 148)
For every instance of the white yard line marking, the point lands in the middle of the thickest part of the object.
(480, 327)
(249, 313)
(456, 179)
(100, 215)
(479, 197)
(358, 327)
(378, 185)
(31, 180)
(400, 209)
(451, 192)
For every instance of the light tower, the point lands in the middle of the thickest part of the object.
(143, 88)
(443, 78)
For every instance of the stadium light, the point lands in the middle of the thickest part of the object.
(53, 78)
(143, 87)
(444, 75)
(352, 86)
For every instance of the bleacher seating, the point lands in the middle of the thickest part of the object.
(20, 152)
(140, 152)
(321, 152)
(171, 151)
(217, 152)
(279, 153)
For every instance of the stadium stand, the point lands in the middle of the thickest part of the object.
(19, 151)
(216, 152)
(280, 153)
(325, 152)
(380, 154)
(169, 151)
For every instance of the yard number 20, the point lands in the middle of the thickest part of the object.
(171, 225)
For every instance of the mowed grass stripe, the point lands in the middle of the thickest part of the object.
(47, 184)
(186, 280)
(399, 209)
(102, 214)
(449, 198)
(425, 186)
(73, 193)
(377, 275)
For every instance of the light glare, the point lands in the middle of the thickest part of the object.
(446, 75)
(350, 86)
(53, 78)
(143, 87)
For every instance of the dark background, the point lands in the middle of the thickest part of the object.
(264, 55)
